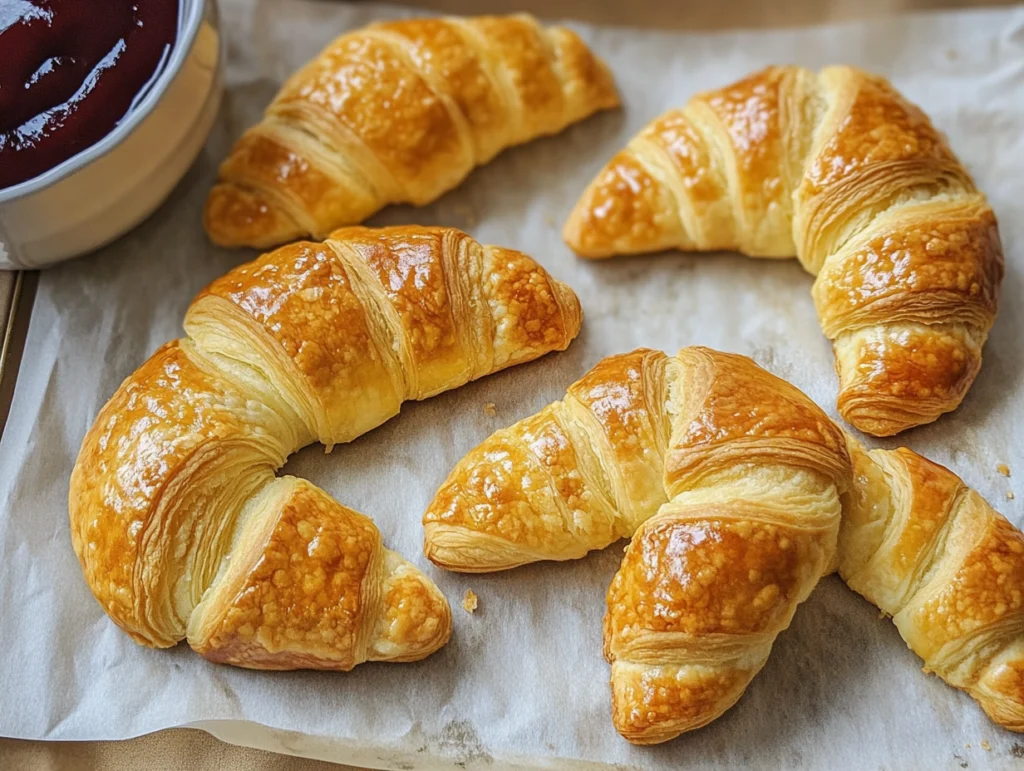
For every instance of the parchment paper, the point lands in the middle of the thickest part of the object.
(522, 681)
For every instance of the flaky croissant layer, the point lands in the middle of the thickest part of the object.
(730, 480)
(839, 170)
(177, 518)
(399, 112)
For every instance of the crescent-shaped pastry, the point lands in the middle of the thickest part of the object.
(932, 554)
(180, 525)
(839, 170)
(729, 480)
(399, 112)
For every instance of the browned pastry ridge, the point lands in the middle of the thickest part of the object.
(182, 528)
(839, 170)
(399, 112)
(730, 479)
(933, 555)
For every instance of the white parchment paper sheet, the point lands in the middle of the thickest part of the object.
(523, 679)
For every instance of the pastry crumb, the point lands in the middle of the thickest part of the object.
(985, 745)
(490, 410)
(967, 746)
(469, 601)
(1003, 469)
(1009, 495)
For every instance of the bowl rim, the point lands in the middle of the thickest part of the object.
(194, 11)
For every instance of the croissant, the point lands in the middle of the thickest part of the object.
(931, 553)
(838, 169)
(731, 479)
(179, 523)
(399, 112)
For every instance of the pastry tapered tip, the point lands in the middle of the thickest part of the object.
(572, 311)
(625, 210)
(1000, 691)
(652, 704)
(898, 376)
(415, 620)
(240, 216)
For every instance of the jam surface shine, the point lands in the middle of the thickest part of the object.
(70, 70)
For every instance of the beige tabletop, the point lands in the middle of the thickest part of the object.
(178, 749)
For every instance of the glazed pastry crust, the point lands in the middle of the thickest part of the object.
(931, 553)
(839, 170)
(176, 516)
(174, 420)
(318, 592)
(727, 478)
(590, 469)
(399, 112)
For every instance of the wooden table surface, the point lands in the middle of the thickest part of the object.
(177, 749)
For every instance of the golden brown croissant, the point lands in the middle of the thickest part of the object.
(399, 112)
(733, 478)
(931, 553)
(838, 169)
(176, 516)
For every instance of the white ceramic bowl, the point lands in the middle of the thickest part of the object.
(104, 191)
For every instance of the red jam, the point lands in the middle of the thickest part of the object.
(70, 71)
